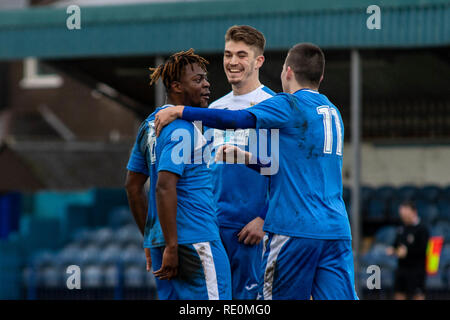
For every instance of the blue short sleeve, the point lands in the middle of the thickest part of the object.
(174, 147)
(275, 112)
(137, 162)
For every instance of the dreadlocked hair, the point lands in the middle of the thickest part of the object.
(171, 70)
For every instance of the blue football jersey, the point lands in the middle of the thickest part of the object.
(240, 192)
(306, 193)
(178, 149)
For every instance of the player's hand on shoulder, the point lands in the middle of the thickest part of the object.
(252, 233)
(166, 116)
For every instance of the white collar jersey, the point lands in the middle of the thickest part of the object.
(231, 101)
(240, 193)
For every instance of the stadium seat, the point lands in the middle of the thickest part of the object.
(366, 193)
(407, 193)
(346, 193)
(365, 196)
(29, 277)
(69, 256)
(111, 278)
(386, 235)
(50, 277)
(92, 276)
(134, 276)
(387, 278)
(435, 282)
(376, 210)
(102, 236)
(430, 193)
(446, 277)
(376, 253)
(444, 261)
(442, 228)
(129, 234)
(110, 254)
(119, 217)
(82, 236)
(89, 255)
(444, 209)
(393, 215)
(427, 211)
(133, 255)
(43, 258)
(385, 193)
(445, 194)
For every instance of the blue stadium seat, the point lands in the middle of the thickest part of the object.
(129, 234)
(444, 261)
(376, 253)
(430, 193)
(407, 193)
(50, 277)
(385, 193)
(427, 211)
(110, 254)
(82, 236)
(346, 193)
(103, 236)
(386, 235)
(442, 228)
(111, 276)
(69, 256)
(387, 278)
(435, 282)
(89, 255)
(119, 217)
(393, 215)
(29, 276)
(92, 276)
(133, 255)
(134, 276)
(366, 193)
(444, 209)
(446, 277)
(376, 210)
(445, 194)
(43, 258)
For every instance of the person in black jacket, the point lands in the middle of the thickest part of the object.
(410, 247)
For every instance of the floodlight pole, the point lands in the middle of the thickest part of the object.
(356, 94)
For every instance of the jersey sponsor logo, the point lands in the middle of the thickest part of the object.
(237, 137)
(151, 142)
(250, 287)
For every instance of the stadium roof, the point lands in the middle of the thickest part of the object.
(161, 28)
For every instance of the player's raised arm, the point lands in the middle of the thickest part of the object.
(166, 204)
(213, 118)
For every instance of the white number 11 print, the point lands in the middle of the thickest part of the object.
(327, 114)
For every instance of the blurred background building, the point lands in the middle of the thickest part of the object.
(71, 102)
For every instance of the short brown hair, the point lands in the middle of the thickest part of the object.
(249, 35)
(308, 63)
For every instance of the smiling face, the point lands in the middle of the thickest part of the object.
(240, 62)
(195, 86)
